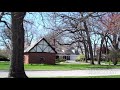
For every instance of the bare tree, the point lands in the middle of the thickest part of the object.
(74, 23)
(17, 61)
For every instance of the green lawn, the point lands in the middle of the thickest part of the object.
(68, 67)
(5, 66)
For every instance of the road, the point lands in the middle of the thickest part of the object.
(96, 72)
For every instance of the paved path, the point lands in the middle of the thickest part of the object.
(96, 72)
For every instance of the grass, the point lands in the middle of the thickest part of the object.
(5, 66)
(68, 67)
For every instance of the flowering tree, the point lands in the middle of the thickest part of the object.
(111, 25)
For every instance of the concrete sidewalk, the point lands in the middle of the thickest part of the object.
(96, 72)
(73, 73)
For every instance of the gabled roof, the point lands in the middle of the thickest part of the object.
(35, 44)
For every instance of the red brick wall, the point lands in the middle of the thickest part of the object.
(37, 58)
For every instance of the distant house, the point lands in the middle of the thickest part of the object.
(40, 52)
(67, 52)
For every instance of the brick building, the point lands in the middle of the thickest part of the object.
(40, 52)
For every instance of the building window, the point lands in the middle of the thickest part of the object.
(57, 57)
(68, 57)
(64, 57)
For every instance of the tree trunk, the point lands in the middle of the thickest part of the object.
(94, 48)
(107, 50)
(115, 46)
(86, 51)
(100, 51)
(89, 44)
(114, 42)
(17, 60)
(114, 60)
